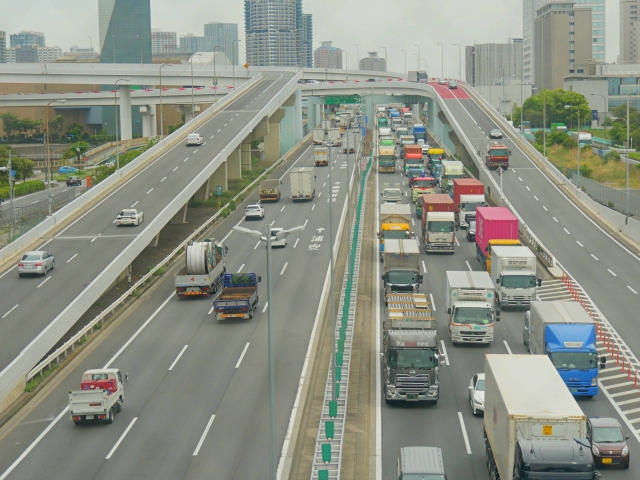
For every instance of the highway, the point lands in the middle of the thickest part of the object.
(90, 243)
(187, 369)
(450, 424)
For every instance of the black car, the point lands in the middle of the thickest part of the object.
(74, 182)
(471, 231)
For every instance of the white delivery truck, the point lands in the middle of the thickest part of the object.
(100, 396)
(384, 131)
(401, 266)
(333, 136)
(468, 205)
(302, 183)
(513, 270)
(533, 426)
(321, 156)
(349, 142)
(469, 304)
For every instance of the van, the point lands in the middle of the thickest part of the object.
(421, 462)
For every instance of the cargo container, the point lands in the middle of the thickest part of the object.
(387, 159)
(420, 132)
(493, 223)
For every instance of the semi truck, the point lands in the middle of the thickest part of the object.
(566, 333)
(533, 428)
(395, 220)
(321, 156)
(438, 223)
(493, 223)
(418, 76)
(382, 122)
(420, 132)
(239, 297)
(269, 190)
(497, 155)
(349, 142)
(203, 270)
(302, 183)
(583, 138)
(411, 358)
(387, 159)
(513, 271)
(401, 266)
(451, 169)
(391, 194)
(333, 136)
(469, 304)
(100, 396)
(468, 193)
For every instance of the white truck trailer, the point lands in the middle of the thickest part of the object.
(203, 270)
(401, 266)
(100, 396)
(302, 183)
(469, 304)
(513, 271)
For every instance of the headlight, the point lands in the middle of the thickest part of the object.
(477, 400)
(595, 450)
(625, 451)
(391, 390)
(594, 382)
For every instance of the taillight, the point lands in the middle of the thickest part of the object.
(94, 404)
(38, 264)
(77, 418)
(21, 264)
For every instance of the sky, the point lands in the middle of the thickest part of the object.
(371, 24)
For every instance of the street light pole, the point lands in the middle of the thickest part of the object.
(442, 48)
(418, 62)
(386, 67)
(193, 110)
(161, 116)
(115, 105)
(233, 63)
(48, 152)
(578, 109)
(627, 195)
(459, 61)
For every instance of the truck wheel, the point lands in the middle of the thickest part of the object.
(250, 314)
(110, 417)
(118, 408)
(77, 422)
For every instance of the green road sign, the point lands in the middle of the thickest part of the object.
(135, 87)
(218, 190)
(339, 99)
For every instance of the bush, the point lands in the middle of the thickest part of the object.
(569, 143)
(23, 188)
(610, 204)
(586, 171)
(612, 155)
(38, 379)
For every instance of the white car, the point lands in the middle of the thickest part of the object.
(194, 139)
(130, 216)
(277, 243)
(495, 133)
(254, 212)
(476, 393)
(425, 149)
(442, 81)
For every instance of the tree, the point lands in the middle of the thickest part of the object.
(75, 130)
(569, 143)
(56, 126)
(23, 168)
(173, 128)
(10, 123)
(555, 108)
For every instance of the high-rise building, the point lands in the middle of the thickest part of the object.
(3, 47)
(489, 63)
(29, 53)
(27, 38)
(562, 33)
(163, 42)
(373, 62)
(225, 37)
(307, 40)
(192, 43)
(629, 34)
(327, 56)
(125, 31)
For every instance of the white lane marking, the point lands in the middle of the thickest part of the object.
(579, 243)
(36, 201)
(163, 179)
(185, 159)
(568, 233)
(444, 351)
(319, 194)
(45, 281)
(137, 202)
(555, 218)
(265, 307)
(178, 357)
(240, 269)
(204, 434)
(95, 238)
(150, 191)
(596, 258)
(12, 309)
(305, 222)
(527, 187)
(609, 270)
(74, 256)
(520, 178)
(545, 208)
(424, 267)
(413, 223)
(174, 169)
(8, 270)
(225, 125)
(231, 120)
(627, 287)
(536, 198)
(284, 268)
(296, 244)
(283, 208)
(210, 311)
(195, 151)
(244, 350)
(313, 208)
(324, 184)
(124, 434)
(456, 239)
(469, 266)
(464, 433)
(211, 136)
(257, 245)
(406, 194)
(204, 144)
(219, 130)
(507, 347)
(513, 170)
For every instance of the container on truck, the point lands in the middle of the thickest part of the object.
(525, 127)
(533, 427)
(203, 270)
(469, 305)
(513, 271)
(420, 132)
(387, 159)
(395, 223)
(382, 131)
(566, 333)
(349, 142)
(438, 223)
(411, 358)
(412, 156)
(401, 266)
(583, 138)
(451, 169)
(493, 223)
(269, 190)
(321, 156)
(239, 297)
(387, 141)
(420, 186)
(468, 194)
(302, 183)
(391, 194)
(497, 155)
(414, 171)
(418, 76)
(100, 396)
(421, 463)
(333, 136)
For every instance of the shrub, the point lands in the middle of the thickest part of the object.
(586, 171)
(23, 188)
(38, 379)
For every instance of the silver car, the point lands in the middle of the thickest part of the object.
(38, 262)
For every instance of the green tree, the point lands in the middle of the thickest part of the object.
(23, 168)
(173, 128)
(75, 130)
(72, 152)
(56, 126)
(10, 123)
(556, 100)
(569, 143)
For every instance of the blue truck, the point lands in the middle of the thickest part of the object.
(239, 297)
(566, 333)
(420, 132)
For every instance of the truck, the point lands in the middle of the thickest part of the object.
(396, 121)
(349, 142)
(513, 271)
(420, 132)
(468, 193)
(469, 305)
(411, 358)
(583, 138)
(391, 194)
(533, 429)
(395, 220)
(412, 157)
(497, 155)
(204, 267)
(401, 266)
(239, 297)
(321, 156)
(493, 223)
(451, 169)
(418, 76)
(382, 131)
(345, 120)
(333, 136)
(387, 159)
(438, 223)
(387, 141)
(420, 186)
(566, 333)
(400, 132)
(302, 183)
(100, 396)
(269, 190)
(382, 122)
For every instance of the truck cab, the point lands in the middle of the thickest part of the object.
(497, 155)
(468, 205)
(391, 194)
(450, 171)
(469, 304)
(514, 274)
(439, 232)
(387, 159)
(420, 186)
(401, 267)
(417, 463)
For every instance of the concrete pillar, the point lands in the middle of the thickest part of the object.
(234, 164)
(203, 192)
(188, 112)
(180, 216)
(125, 112)
(245, 155)
(146, 121)
(272, 139)
(154, 242)
(154, 123)
(313, 112)
(219, 178)
(297, 116)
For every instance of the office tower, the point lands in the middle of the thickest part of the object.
(327, 56)
(3, 47)
(192, 43)
(225, 37)
(163, 42)
(307, 40)
(373, 62)
(562, 35)
(125, 31)
(629, 36)
(27, 38)
(488, 63)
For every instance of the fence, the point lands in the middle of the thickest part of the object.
(610, 197)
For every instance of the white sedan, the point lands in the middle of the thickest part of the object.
(194, 139)
(130, 216)
(254, 212)
(476, 393)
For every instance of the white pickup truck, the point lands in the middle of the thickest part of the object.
(100, 396)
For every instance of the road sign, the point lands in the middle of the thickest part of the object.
(338, 99)
(13, 173)
(246, 65)
(218, 190)
(366, 119)
(135, 87)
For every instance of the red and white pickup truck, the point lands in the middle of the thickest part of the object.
(100, 396)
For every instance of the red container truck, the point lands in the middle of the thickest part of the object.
(468, 193)
(438, 223)
(494, 226)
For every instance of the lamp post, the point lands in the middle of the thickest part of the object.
(91, 48)
(604, 100)
(113, 38)
(256, 235)
(215, 79)
(233, 64)
(386, 67)
(193, 110)
(426, 67)
(627, 148)
(405, 62)
(578, 109)
(459, 61)
(115, 105)
(346, 65)
(418, 62)
(442, 49)
(48, 152)
(161, 118)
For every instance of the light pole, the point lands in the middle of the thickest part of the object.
(91, 48)
(256, 235)
(193, 110)
(578, 109)
(215, 79)
(161, 118)
(115, 105)
(604, 100)
(459, 61)
(418, 62)
(627, 147)
(48, 152)
(346, 65)
(442, 49)
(233, 64)
(405, 62)
(426, 67)
(386, 67)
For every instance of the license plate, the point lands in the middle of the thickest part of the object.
(607, 460)
(573, 390)
(89, 417)
(29, 266)
(412, 396)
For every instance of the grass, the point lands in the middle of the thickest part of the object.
(160, 271)
(38, 379)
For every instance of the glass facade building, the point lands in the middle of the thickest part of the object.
(224, 36)
(125, 31)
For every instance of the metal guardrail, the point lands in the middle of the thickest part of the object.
(39, 206)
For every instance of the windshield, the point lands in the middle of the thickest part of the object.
(499, 152)
(402, 277)
(473, 316)
(574, 360)
(393, 192)
(395, 234)
(607, 435)
(470, 206)
(480, 386)
(519, 281)
(424, 183)
(412, 358)
(441, 227)
(31, 256)
(386, 157)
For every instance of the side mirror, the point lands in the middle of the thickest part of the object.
(497, 281)
(539, 282)
(126, 378)
(470, 387)
(603, 360)
(448, 311)
(420, 277)
(509, 152)
(226, 249)
(382, 277)
(259, 278)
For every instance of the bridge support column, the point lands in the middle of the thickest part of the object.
(146, 120)
(313, 112)
(188, 112)
(154, 124)
(297, 116)
(219, 179)
(180, 216)
(245, 156)
(272, 138)
(234, 165)
(203, 192)
(125, 112)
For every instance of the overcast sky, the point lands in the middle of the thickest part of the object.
(372, 24)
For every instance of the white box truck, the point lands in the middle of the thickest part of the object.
(513, 270)
(401, 266)
(469, 304)
(533, 426)
(302, 183)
